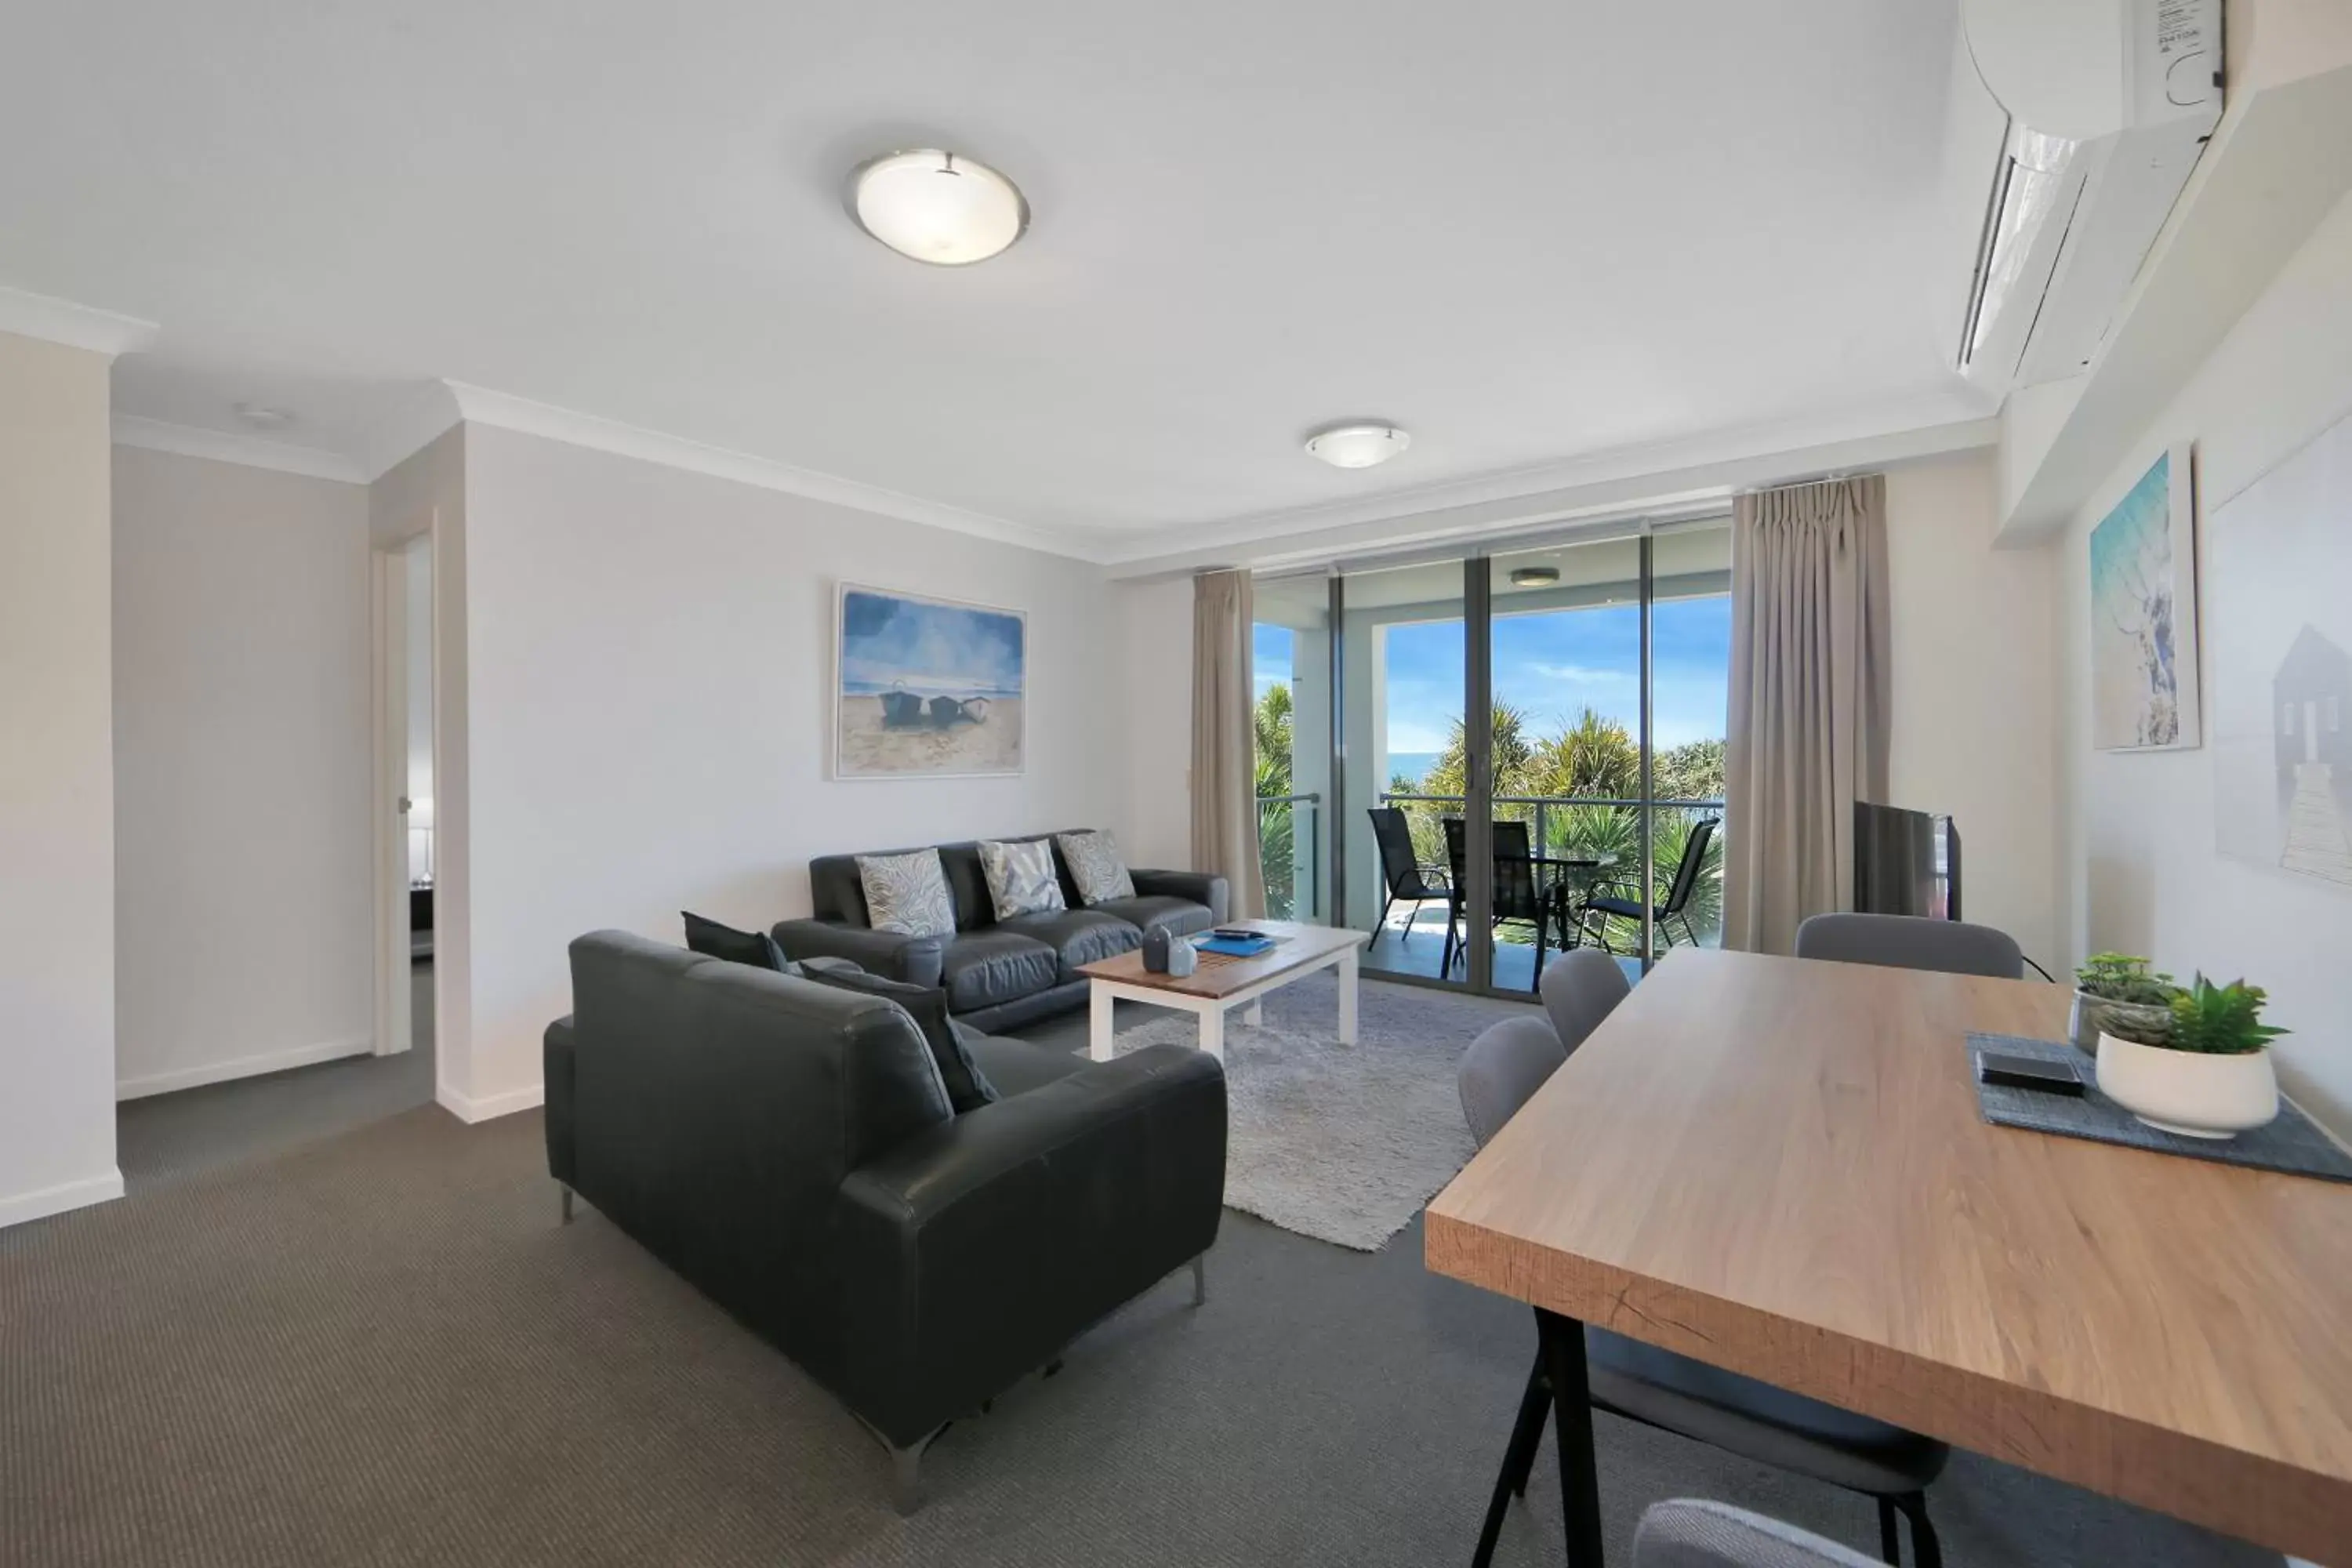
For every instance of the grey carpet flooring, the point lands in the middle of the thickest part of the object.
(381, 1348)
(168, 1137)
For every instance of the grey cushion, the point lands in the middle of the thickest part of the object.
(1177, 917)
(981, 968)
(1095, 866)
(1076, 936)
(1016, 1066)
(1756, 1420)
(1023, 878)
(1909, 942)
(906, 894)
(1691, 1533)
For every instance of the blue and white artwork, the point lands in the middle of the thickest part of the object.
(927, 687)
(2144, 613)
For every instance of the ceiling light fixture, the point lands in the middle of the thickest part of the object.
(1358, 446)
(1533, 576)
(939, 207)
(264, 419)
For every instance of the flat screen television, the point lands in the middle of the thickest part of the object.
(1905, 862)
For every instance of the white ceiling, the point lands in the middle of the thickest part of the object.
(1529, 232)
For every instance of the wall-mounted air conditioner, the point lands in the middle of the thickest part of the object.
(2073, 124)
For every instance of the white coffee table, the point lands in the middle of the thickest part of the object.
(1221, 985)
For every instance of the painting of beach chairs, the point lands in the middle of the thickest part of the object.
(927, 687)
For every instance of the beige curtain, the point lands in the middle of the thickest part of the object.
(1809, 679)
(1224, 771)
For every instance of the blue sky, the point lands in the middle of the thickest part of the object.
(929, 648)
(1550, 666)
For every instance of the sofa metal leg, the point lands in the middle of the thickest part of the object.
(567, 1201)
(1200, 1280)
(906, 1477)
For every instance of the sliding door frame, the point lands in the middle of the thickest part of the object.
(1478, 721)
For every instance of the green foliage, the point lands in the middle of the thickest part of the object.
(1693, 771)
(1270, 726)
(1593, 757)
(2221, 1020)
(2142, 1025)
(2120, 977)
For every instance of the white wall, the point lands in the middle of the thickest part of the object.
(1972, 698)
(241, 771)
(648, 707)
(57, 783)
(2139, 872)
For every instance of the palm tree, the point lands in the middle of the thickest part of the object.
(1270, 729)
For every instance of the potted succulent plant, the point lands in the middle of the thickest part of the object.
(2205, 1072)
(2118, 984)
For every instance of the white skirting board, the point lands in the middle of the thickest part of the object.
(48, 1201)
(489, 1107)
(241, 1067)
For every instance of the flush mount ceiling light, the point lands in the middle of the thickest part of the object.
(939, 207)
(1358, 446)
(1533, 576)
(264, 419)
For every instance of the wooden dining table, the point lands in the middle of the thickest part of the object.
(1778, 1166)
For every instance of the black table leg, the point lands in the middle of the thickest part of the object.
(1572, 1410)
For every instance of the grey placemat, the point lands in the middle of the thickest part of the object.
(2292, 1143)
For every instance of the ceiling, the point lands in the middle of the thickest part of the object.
(1529, 232)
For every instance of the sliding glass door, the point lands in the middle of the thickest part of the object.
(1493, 757)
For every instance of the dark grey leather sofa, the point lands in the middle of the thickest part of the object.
(998, 974)
(788, 1148)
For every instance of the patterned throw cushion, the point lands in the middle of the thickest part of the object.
(907, 893)
(1021, 879)
(1095, 866)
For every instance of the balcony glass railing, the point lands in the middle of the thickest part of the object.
(1596, 825)
(1289, 852)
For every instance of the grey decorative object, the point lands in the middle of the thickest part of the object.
(1021, 877)
(1095, 866)
(2292, 1143)
(907, 893)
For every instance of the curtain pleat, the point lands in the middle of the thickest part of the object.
(1811, 701)
(1224, 773)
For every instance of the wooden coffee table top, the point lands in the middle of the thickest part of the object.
(1779, 1167)
(1221, 976)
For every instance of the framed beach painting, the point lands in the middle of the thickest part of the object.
(2143, 613)
(927, 687)
(2280, 595)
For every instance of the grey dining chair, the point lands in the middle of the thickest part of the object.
(1911, 942)
(1500, 1073)
(1691, 1533)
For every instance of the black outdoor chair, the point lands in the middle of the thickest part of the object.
(1518, 892)
(1609, 906)
(1403, 877)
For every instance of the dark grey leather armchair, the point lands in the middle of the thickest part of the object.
(788, 1148)
(998, 974)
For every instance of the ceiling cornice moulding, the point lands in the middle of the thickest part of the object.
(479, 406)
(30, 315)
(1468, 512)
(1966, 426)
(228, 446)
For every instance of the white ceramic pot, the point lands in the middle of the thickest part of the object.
(2192, 1093)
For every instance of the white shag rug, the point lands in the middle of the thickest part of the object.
(1341, 1142)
